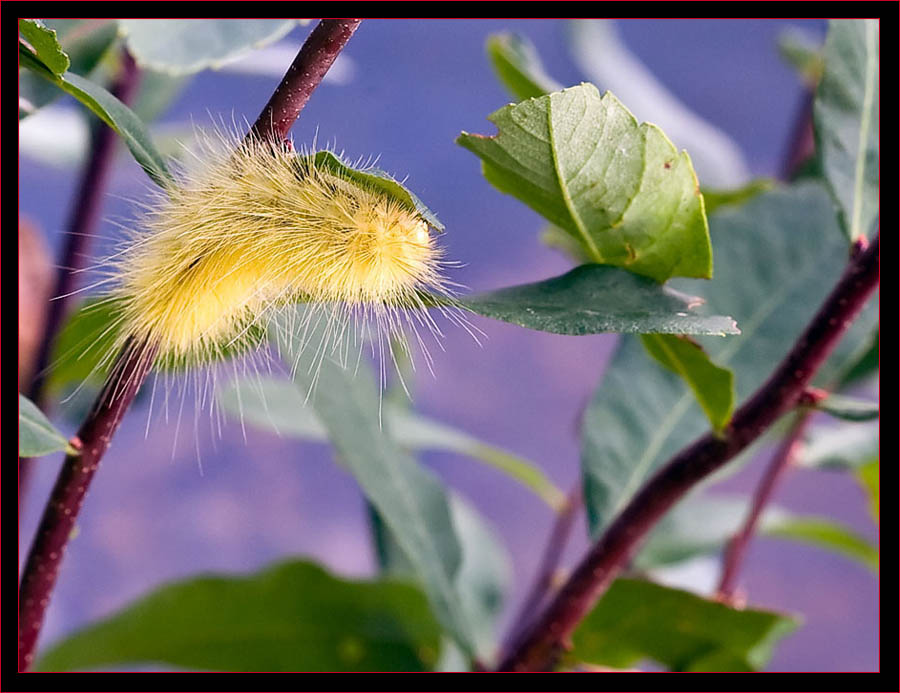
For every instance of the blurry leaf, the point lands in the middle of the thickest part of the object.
(777, 257)
(864, 365)
(713, 199)
(600, 52)
(828, 534)
(802, 51)
(868, 477)
(846, 122)
(554, 237)
(713, 386)
(276, 405)
(156, 92)
(293, 616)
(184, 46)
(519, 67)
(410, 499)
(698, 525)
(593, 298)
(45, 45)
(845, 447)
(703, 524)
(849, 408)
(111, 111)
(84, 344)
(622, 190)
(37, 436)
(638, 620)
(375, 178)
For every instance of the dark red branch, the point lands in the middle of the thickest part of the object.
(58, 521)
(541, 645)
(778, 466)
(316, 56)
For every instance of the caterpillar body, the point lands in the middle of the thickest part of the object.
(256, 226)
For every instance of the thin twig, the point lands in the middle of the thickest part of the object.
(306, 72)
(122, 384)
(79, 235)
(736, 548)
(541, 645)
(562, 526)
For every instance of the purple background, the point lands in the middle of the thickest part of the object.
(152, 515)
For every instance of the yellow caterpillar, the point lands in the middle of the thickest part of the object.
(257, 226)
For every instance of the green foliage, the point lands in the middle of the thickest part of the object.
(110, 110)
(713, 199)
(803, 52)
(702, 524)
(375, 178)
(849, 408)
(829, 535)
(777, 257)
(294, 616)
(519, 67)
(846, 122)
(637, 620)
(411, 500)
(45, 45)
(276, 405)
(594, 298)
(621, 189)
(713, 386)
(37, 436)
(85, 42)
(868, 476)
(185, 46)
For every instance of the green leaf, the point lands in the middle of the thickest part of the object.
(622, 190)
(380, 181)
(111, 111)
(276, 405)
(409, 498)
(519, 67)
(293, 616)
(868, 477)
(703, 524)
(840, 448)
(713, 386)
(846, 122)
(37, 436)
(184, 46)
(803, 52)
(849, 408)
(593, 298)
(777, 258)
(84, 348)
(864, 366)
(45, 45)
(598, 48)
(714, 199)
(85, 41)
(638, 620)
(828, 535)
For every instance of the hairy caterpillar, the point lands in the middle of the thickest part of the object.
(255, 226)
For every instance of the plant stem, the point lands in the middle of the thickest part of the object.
(539, 648)
(131, 368)
(737, 548)
(55, 529)
(79, 234)
(306, 72)
(559, 534)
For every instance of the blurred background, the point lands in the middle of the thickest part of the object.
(173, 502)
